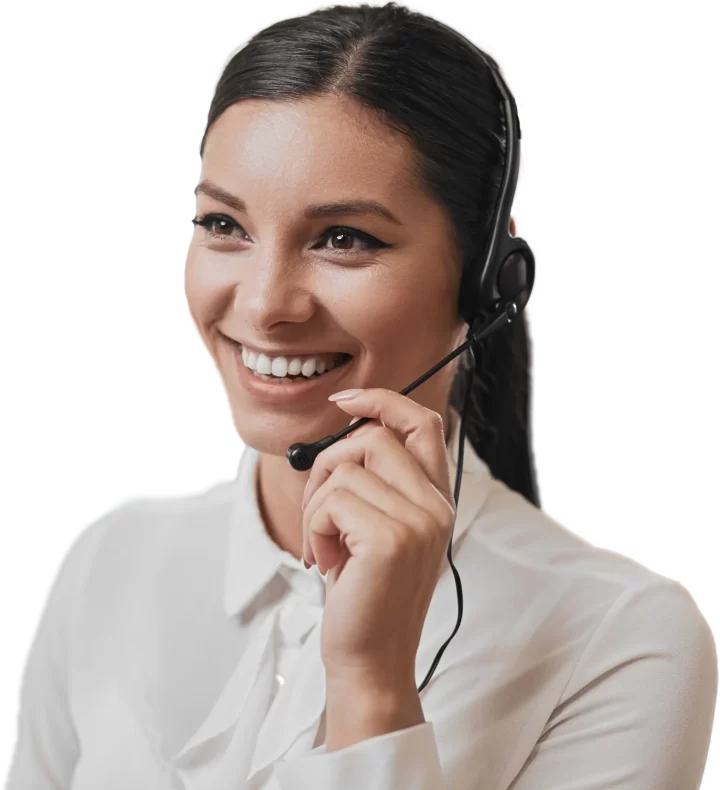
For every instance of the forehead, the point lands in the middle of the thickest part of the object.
(290, 150)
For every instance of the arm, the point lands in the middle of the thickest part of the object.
(638, 711)
(47, 747)
(636, 714)
(358, 709)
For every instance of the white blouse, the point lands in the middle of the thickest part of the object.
(180, 648)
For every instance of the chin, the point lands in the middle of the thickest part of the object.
(272, 433)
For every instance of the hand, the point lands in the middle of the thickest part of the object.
(378, 516)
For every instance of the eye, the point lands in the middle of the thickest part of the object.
(224, 227)
(349, 234)
(219, 226)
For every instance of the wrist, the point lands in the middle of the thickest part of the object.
(362, 706)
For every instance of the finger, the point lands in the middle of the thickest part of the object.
(336, 570)
(421, 428)
(400, 438)
(307, 552)
(367, 530)
(368, 486)
(368, 426)
(379, 451)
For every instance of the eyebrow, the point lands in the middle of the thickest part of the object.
(311, 212)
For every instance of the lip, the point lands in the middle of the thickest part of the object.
(279, 393)
(283, 353)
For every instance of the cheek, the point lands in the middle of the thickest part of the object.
(206, 290)
(423, 299)
(207, 299)
(193, 279)
(196, 298)
(388, 315)
(365, 307)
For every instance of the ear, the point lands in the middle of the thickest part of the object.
(512, 226)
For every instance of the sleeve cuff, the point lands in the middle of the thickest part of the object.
(406, 759)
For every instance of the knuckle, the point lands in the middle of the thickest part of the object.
(388, 543)
(432, 420)
(344, 471)
(433, 531)
(391, 543)
(420, 521)
(317, 471)
(337, 498)
(439, 525)
(449, 512)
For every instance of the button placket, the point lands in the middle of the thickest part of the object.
(299, 614)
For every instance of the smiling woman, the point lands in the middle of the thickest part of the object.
(350, 172)
(302, 286)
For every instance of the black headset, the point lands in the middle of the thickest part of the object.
(496, 292)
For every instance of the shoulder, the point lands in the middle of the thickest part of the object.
(579, 649)
(510, 527)
(137, 539)
(558, 625)
(660, 625)
(535, 593)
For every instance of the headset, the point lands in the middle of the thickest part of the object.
(497, 291)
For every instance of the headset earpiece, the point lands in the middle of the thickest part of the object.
(516, 276)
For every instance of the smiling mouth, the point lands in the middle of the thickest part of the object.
(291, 369)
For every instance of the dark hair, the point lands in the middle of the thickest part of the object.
(430, 84)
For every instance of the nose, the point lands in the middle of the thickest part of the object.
(274, 291)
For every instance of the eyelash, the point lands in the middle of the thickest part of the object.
(207, 221)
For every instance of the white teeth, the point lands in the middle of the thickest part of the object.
(264, 365)
(294, 367)
(281, 367)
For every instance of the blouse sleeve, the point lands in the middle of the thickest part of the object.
(638, 711)
(636, 714)
(46, 748)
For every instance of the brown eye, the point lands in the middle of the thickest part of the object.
(219, 225)
(343, 241)
(346, 239)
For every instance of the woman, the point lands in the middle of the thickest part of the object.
(185, 645)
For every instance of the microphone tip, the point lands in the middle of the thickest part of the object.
(302, 456)
(299, 458)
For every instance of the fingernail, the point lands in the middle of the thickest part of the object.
(344, 395)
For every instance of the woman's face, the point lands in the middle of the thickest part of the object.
(269, 275)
